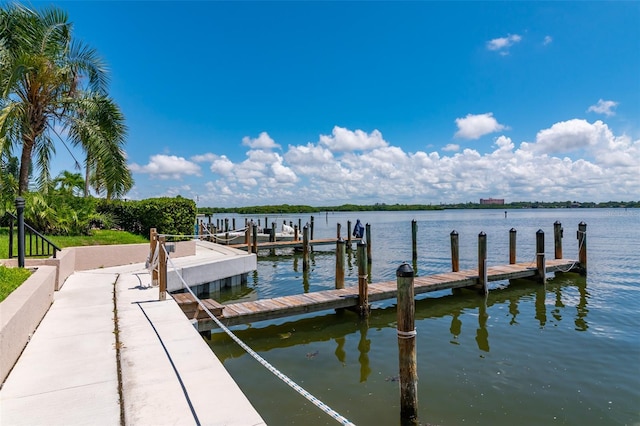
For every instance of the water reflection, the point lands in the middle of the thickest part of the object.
(338, 326)
(482, 334)
(364, 346)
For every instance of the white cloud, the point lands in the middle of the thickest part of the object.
(342, 139)
(571, 135)
(167, 167)
(451, 147)
(604, 107)
(263, 141)
(606, 166)
(547, 40)
(221, 165)
(503, 44)
(475, 126)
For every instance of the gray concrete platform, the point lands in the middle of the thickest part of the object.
(68, 372)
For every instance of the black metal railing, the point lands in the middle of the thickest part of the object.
(35, 244)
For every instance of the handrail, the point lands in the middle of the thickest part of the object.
(33, 251)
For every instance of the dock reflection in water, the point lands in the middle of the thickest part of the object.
(337, 325)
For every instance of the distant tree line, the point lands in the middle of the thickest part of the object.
(287, 208)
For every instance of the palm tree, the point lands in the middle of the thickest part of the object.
(69, 183)
(50, 86)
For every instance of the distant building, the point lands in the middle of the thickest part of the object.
(491, 200)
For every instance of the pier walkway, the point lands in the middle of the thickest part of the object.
(109, 353)
(297, 244)
(259, 310)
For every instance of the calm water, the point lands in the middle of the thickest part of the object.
(564, 353)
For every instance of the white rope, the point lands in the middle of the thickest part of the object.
(407, 334)
(321, 405)
(575, 262)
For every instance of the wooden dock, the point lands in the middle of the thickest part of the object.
(298, 244)
(260, 310)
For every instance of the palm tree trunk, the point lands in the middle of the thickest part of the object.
(25, 163)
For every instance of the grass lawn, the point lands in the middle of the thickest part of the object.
(10, 279)
(97, 237)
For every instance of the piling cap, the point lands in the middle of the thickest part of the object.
(454, 232)
(404, 270)
(540, 231)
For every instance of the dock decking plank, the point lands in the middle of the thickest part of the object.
(259, 310)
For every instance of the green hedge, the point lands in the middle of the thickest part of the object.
(173, 216)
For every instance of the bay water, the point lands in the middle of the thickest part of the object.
(566, 352)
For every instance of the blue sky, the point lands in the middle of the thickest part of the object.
(325, 103)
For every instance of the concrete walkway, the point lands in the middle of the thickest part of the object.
(68, 373)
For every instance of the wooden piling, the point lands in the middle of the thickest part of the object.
(557, 239)
(311, 232)
(226, 224)
(305, 248)
(233, 221)
(482, 262)
(363, 286)
(540, 259)
(367, 233)
(408, 365)
(338, 228)
(455, 251)
(153, 240)
(255, 239)
(340, 254)
(414, 241)
(162, 268)
(582, 247)
(348, 235)
(272, 237)
(247, 237)
(512, 246)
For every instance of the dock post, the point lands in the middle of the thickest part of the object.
(272, 237)
(255, 239)
(311, 234)
(349, 235)
(226, 224)
(363, 287)
(248, 239)
(162, 268)
(557, 239)
(305, 248)
(340, 252)
(338, 228)
(407, 346)
(540, 261)
(296, 233)
(512, 246)
(455, 251)
(233, 221)
(482, 262)
(582, 247)
(153, 240)
(367, 230)
(414, 241)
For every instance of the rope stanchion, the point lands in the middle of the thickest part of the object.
(315, 401)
